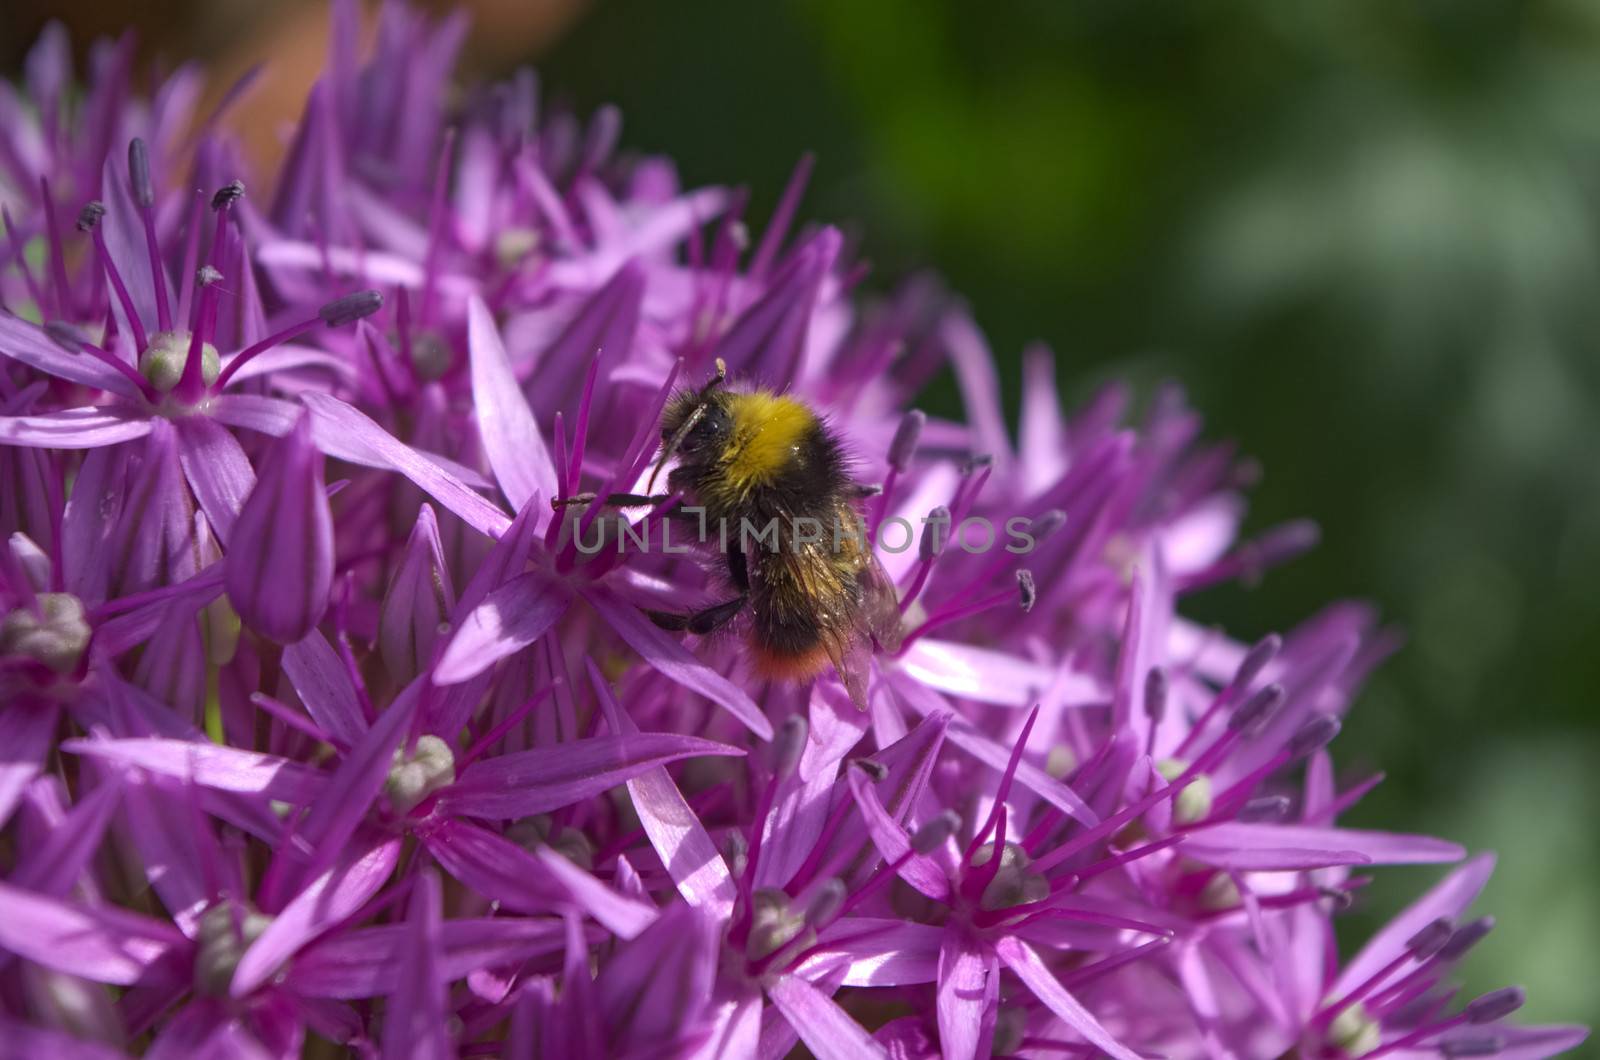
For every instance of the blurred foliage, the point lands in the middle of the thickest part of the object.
(1363, 234)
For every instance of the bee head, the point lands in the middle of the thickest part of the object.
(695, 429)
(696, 424)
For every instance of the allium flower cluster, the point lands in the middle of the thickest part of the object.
(318, 727)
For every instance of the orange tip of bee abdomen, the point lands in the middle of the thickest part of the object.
(790, 667)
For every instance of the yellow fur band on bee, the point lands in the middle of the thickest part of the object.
(767, 429)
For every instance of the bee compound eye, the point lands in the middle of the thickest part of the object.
(710, 429)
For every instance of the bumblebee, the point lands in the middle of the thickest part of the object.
(774, 480)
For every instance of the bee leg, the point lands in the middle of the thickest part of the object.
(635, 500)
(700, 622)
(738, 570)
(862, 492)
(614, 500)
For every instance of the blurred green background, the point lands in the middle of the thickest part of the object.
(1366, 237)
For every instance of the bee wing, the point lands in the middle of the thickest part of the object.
(879, 614)
(851, 654)
(845, 631)
(880, 604)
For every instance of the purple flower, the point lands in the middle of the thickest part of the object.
(280, 555)
(56, 137)
(333, 707)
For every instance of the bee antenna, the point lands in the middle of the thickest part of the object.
(718, 377)
(672, 444)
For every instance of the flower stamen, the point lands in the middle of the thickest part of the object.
(145, 197)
